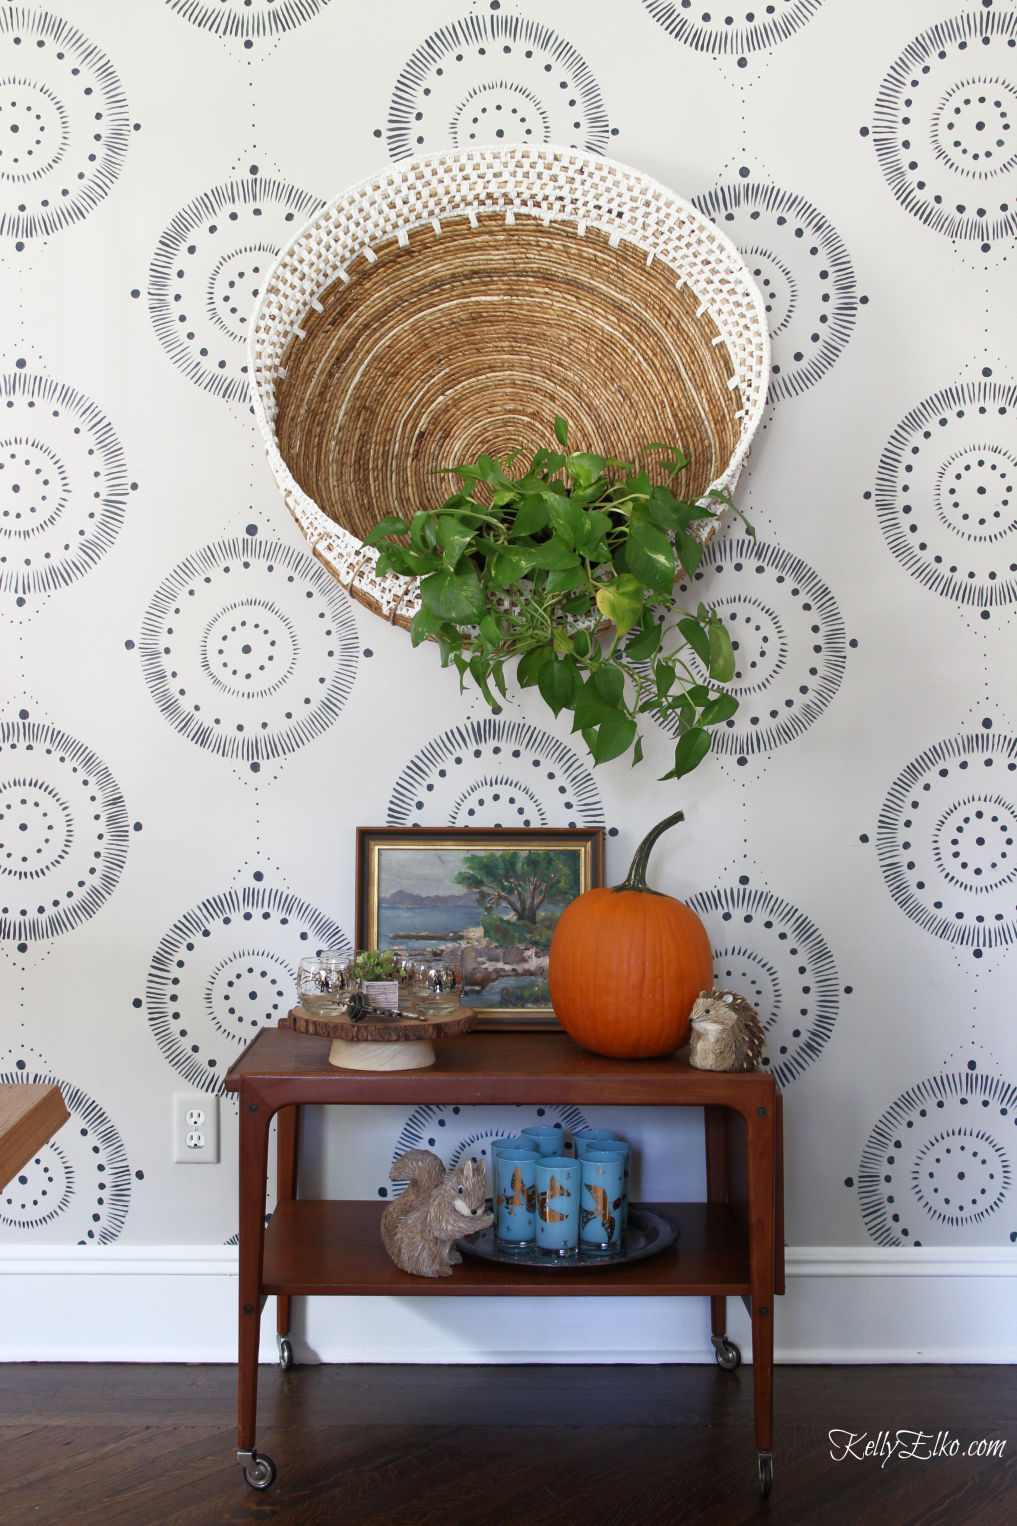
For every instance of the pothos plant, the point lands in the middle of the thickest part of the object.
(570, 567)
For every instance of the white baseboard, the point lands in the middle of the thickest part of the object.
(178, 1304)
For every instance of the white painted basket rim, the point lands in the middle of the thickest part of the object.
(402, 197)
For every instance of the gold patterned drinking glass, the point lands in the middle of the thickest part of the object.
(438, 982)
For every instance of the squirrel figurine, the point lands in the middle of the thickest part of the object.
(420, 1227)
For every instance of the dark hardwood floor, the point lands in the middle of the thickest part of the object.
(481, 1446)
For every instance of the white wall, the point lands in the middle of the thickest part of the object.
(851, 848)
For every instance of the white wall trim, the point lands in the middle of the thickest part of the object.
(119, 1260)
(178, 1304)
(801, 1261)
(901, 1261)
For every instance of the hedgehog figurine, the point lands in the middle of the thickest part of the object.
(420, 1227)
(726, 1032)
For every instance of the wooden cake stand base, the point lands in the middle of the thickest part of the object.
(384, 1043)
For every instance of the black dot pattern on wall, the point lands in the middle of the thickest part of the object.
(945, 127)
(63, 484)
(788, 637)
(249, 649)
(773, 955)
(947, 840)
(216, 977)
(208, 270)
(77, 1188)
(727, 30)
(247, 18)
(939, 1162)
(457, 1134)
(495, 773)
(946, 494)
(63, 832)
(64, 127)
(495, 78)
(803, 271)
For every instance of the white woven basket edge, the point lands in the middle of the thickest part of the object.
(318, 528)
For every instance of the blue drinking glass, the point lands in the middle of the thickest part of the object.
(559, 1186)
(511, 1142)
(602, 1197)
(585, 1139)
(616, 1149)
(550, 1138)
(515, 1198)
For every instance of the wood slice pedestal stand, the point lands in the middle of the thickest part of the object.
(405, 1043)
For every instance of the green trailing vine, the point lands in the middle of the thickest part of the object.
(570, 568)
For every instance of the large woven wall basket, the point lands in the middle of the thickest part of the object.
(453, 305)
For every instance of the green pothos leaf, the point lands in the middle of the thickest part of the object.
(690, 751)
(457, 597)
(720, 709)
(622, 602)
(722, 660)
(425, 623)
(612, 737)
(558, 681)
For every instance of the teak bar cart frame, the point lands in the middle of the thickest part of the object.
(731, 1245)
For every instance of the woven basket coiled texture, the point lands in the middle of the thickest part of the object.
(453, 305)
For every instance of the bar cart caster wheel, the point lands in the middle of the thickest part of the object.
(259, 1470)
(765, 1474)
(285, 1346)
(729, 1356)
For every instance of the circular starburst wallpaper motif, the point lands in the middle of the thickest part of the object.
(495, 773)
(78, 1185)
(249, 649)
(247, 19)
(946, 494)
(63, 484)
(494, 78)
(461, 1133)
(788, 639)
(64, 127)
(63, 832)
(218, 976)
(944, 127)
(207, 272)
(774, 956)
(803, 270)
(946, 840)
(729, 29)
(939, 1163)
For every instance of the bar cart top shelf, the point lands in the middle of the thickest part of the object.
(496, 1067)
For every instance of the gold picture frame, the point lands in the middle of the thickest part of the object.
(418, 886)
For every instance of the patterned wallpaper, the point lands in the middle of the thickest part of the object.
(195, 717)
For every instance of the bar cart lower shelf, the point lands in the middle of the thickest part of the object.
(316, 1246)
(729, 1246)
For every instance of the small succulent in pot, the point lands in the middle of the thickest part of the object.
(376, 964)
(570, 567)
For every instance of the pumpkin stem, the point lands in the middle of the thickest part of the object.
(636, 877)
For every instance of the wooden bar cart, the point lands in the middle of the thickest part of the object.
(730, 1245)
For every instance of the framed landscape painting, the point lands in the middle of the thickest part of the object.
(495, 894)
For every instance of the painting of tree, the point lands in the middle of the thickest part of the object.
(527, 884)
(494, 896)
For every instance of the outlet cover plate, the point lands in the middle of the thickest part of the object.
(195, 1129)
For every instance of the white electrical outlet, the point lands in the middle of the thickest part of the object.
(195, 1129)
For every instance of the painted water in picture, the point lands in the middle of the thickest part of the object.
(500, 907)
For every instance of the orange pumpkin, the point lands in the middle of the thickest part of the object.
(627, 963)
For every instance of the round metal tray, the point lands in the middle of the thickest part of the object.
(647, 1234)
